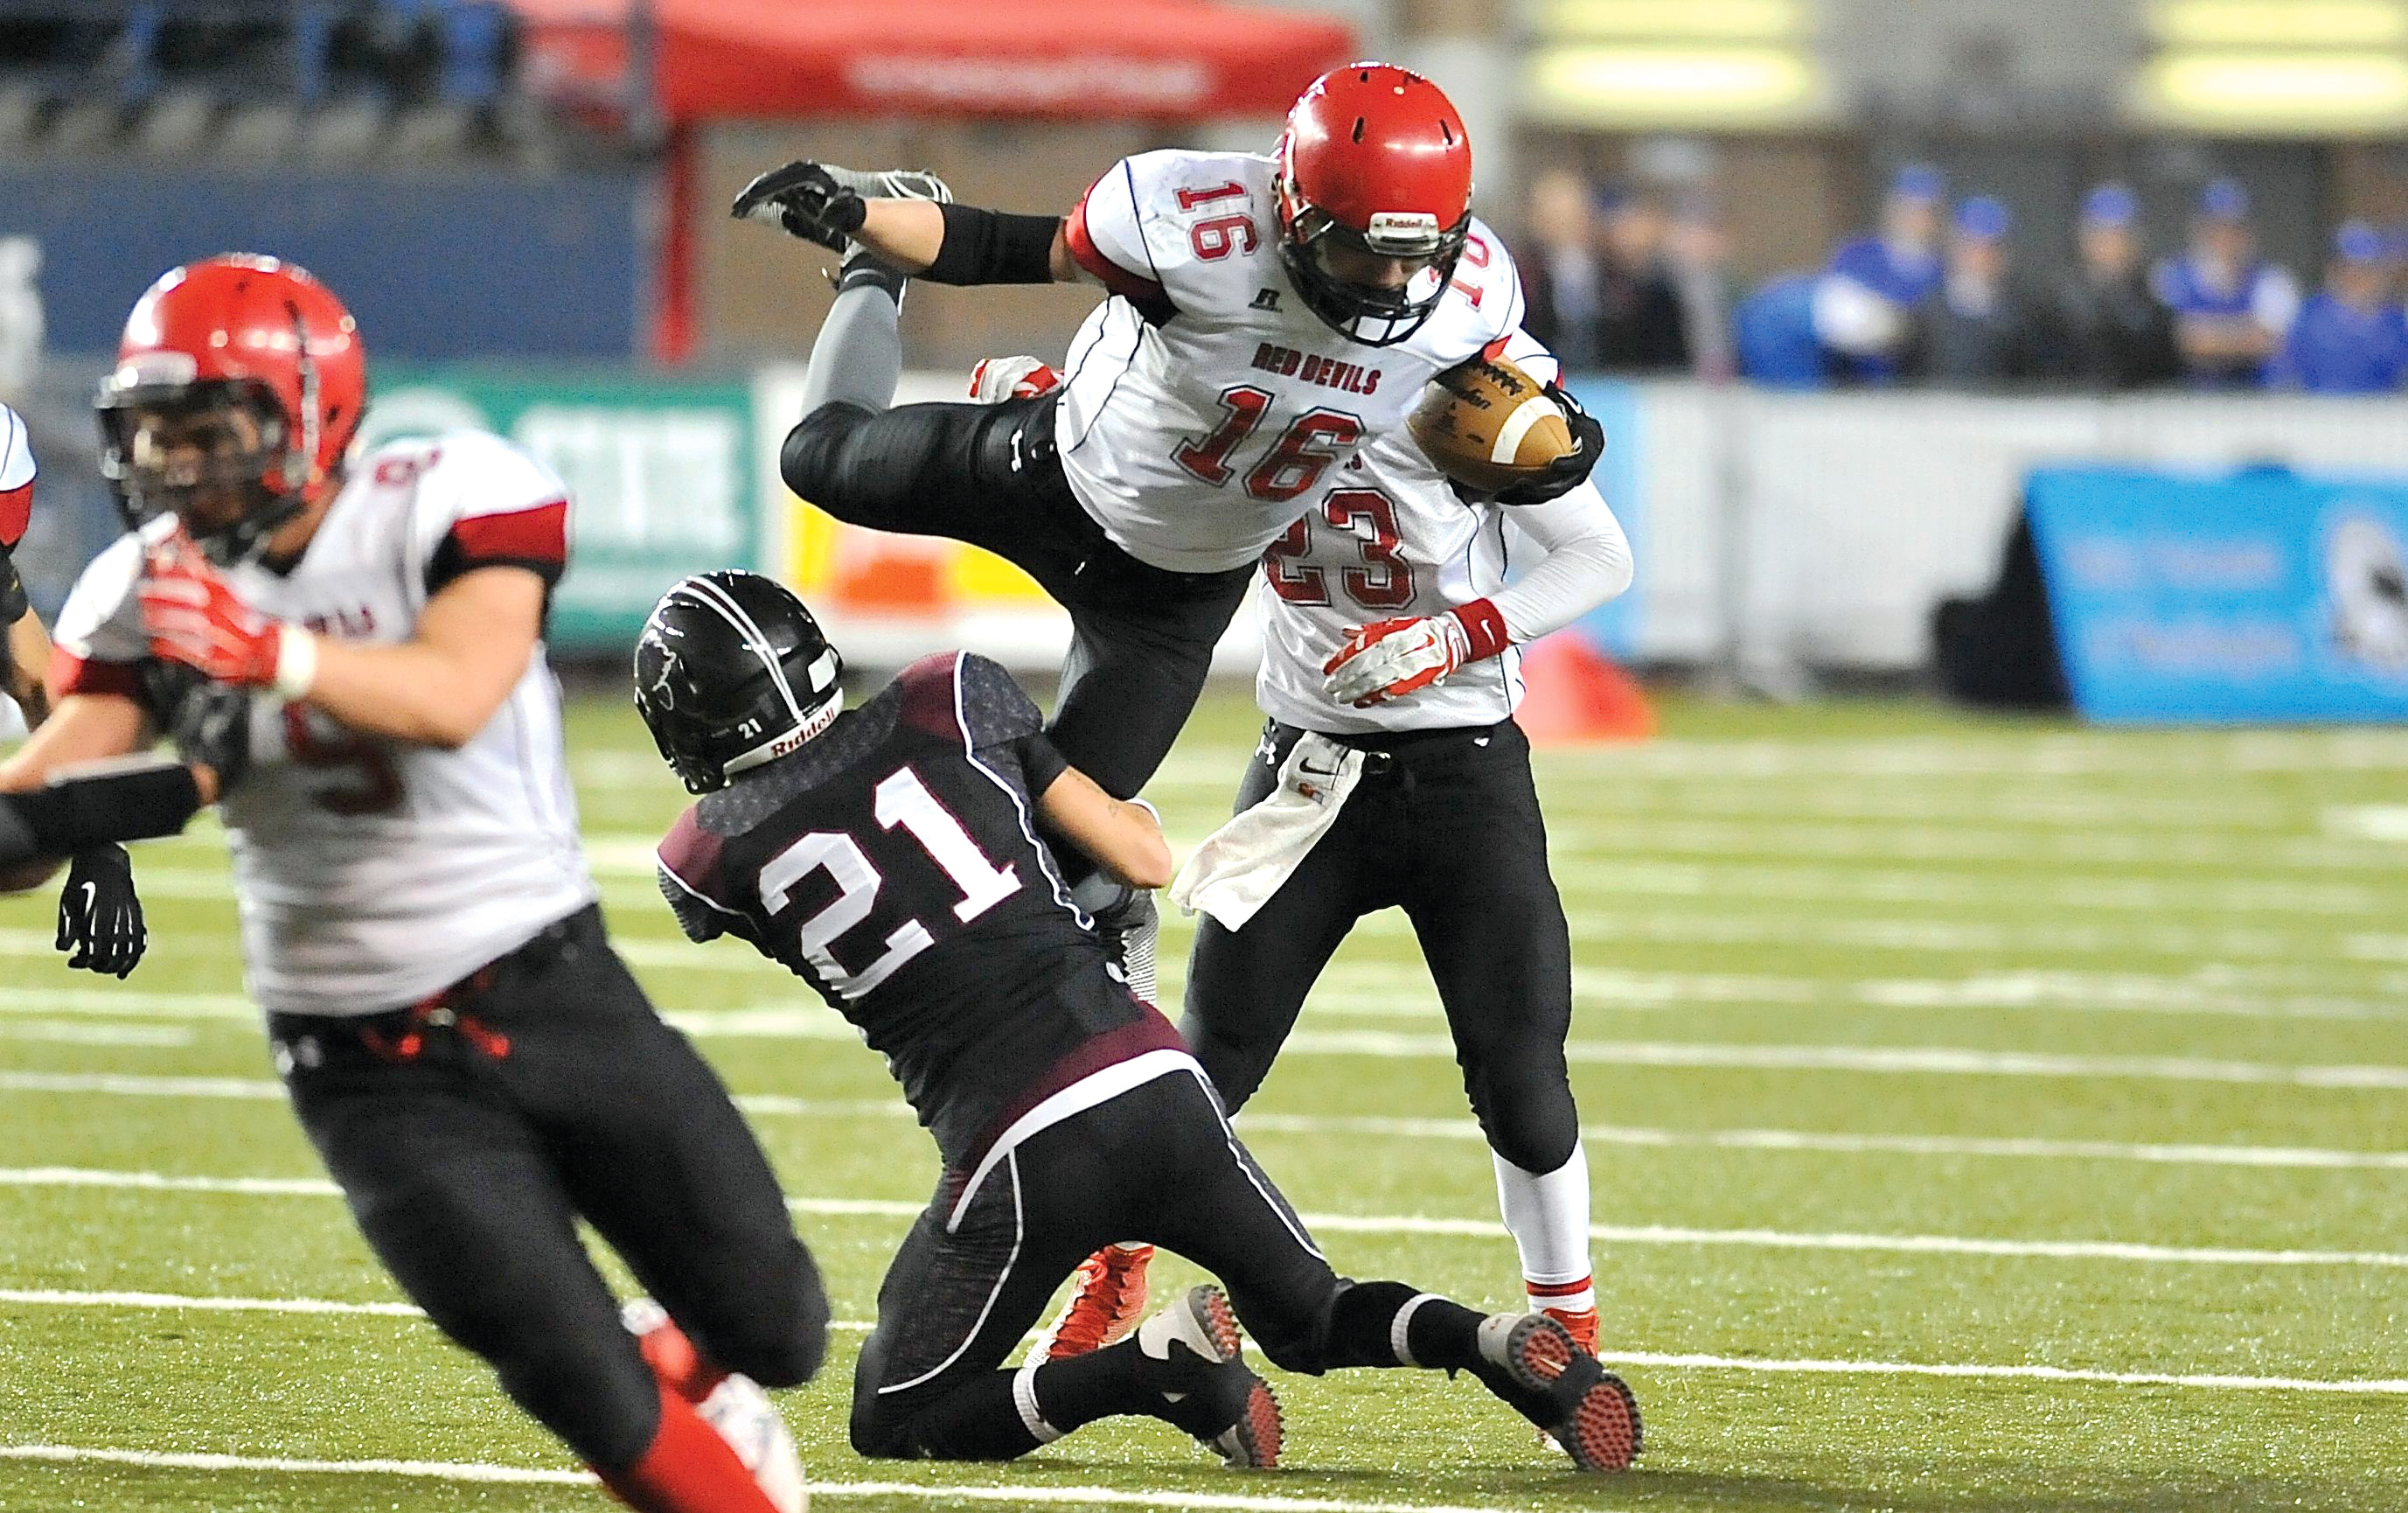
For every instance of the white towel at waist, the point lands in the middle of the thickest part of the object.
(1240, 865)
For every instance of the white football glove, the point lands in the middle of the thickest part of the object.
(1391, 659)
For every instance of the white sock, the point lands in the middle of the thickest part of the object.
(1548, 1215)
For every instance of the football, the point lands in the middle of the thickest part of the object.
(1490, 426)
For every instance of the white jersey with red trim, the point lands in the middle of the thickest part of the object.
(369, 872)
(1394, 541)
(15, 479)
(1206, 408)
(1391, 542)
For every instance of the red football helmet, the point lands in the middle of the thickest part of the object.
(239, 383)
(1374, 199)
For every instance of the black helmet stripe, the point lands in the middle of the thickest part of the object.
(719, 599)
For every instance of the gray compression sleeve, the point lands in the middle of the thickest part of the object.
(859, 353)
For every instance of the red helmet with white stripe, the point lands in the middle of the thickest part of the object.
(239, 383)
(1374, 199)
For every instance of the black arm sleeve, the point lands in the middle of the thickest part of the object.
(13, 603)
(134, 804)
(1040, 763)
(991, 247)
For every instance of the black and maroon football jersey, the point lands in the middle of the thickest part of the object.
(893, 863)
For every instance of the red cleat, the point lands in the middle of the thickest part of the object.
(1106, 1296)
(1579, 1323)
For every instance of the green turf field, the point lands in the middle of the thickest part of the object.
(1983, 1116)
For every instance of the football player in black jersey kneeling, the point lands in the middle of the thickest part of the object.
(896, 857)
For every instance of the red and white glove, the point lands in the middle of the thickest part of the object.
(195, 617)
(1390, 658)
(998, 378)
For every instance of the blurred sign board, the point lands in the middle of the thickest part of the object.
(659, 473)
(2255, 595)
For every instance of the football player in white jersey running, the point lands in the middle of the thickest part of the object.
(100, 916)
(1390, 673)
(362, 642)
(1267, 317)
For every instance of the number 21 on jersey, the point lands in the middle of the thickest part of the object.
(903, 801)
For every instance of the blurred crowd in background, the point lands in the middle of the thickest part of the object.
(1939, 292)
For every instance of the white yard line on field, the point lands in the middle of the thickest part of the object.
(94, 1032)
(1403, 989)
(1595, 839)
(1882, 1060)
(1660, 1359)
(2008, 1147)
(2190, 944)
(477, 1471)
(2115, 892)
(1650, 1234)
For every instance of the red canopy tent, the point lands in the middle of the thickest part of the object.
(773, 59)
(717, 60)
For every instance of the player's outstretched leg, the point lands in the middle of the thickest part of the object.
(972, 1276)
(1220, 1211)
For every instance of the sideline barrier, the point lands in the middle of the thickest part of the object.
(2253, 596)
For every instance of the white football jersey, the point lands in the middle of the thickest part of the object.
(1206, 408)
(370, 873)
(16, 478)
(1391, 540)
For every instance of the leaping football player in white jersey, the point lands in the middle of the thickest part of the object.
(1269, 317)
(352, 650)
(100, 916)
(1390, 674)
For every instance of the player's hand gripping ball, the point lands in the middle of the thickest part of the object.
(1496, 430)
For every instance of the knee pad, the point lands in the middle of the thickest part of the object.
(877, 1435)
(807, 455)
(1530, 1120)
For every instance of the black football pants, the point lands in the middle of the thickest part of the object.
(1141, 637)
(1445, 825)
(468, 1149)
(1157, 1163)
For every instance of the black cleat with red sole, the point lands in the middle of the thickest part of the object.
(1532, 1362)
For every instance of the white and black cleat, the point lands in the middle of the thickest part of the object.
(1229, 1410)
(1533, 1363)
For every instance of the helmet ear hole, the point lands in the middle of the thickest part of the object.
(1358, 128)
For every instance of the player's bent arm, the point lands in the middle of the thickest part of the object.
(1587, 562)
(27, 661)
(1122, 836)
(961, 244)
(126, 799)
(84, 728)
(473, 642)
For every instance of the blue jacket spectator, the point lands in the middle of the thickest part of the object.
(2351, 338)
(1866, 302)
(2230, 310)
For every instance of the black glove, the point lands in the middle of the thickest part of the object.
(1568, 471)
(100, 919)
(209, 722)
(806, 201)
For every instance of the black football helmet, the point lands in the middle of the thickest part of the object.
(730, 672)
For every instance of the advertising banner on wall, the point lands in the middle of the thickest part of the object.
(2255, 595)
(659, 473)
